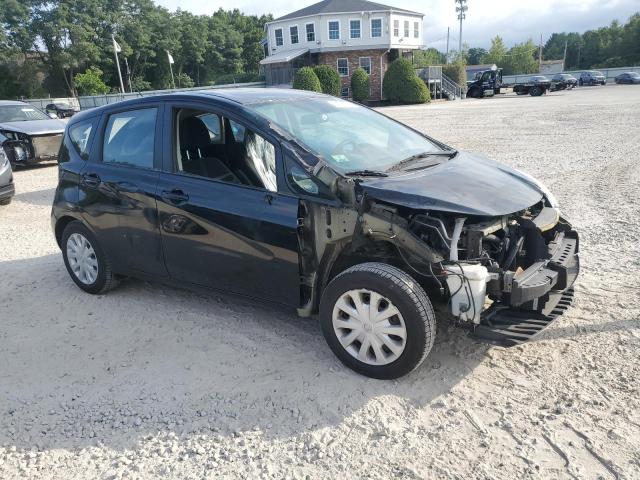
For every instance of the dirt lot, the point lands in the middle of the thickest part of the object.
(151, 381)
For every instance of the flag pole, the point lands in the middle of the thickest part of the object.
(115, 52)
(170, 60)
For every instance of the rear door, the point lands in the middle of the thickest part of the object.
(118, 188)
(218, 229)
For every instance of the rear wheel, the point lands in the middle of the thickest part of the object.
(85, 261)
(5, 201)
(536, 91)
(377, 320)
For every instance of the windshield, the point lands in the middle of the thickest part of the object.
(346, 135)
(21, 113)
(634, 74)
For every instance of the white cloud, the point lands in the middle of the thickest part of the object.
(514, 21)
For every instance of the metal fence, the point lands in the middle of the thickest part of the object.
(609, 73)
(85, 103)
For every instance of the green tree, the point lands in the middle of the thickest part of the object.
(360, 85)
(428, 57)
(497, 52)
(306, 79)
(90, 82)
(476, 55)
(329, 79)
(520, 59)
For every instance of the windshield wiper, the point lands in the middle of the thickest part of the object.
(366, 173)
(403, 163)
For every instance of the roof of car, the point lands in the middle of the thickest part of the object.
(11, 102)
(238, 96)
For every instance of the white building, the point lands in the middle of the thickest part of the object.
(345, 34)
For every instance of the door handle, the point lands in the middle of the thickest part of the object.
(91, 179)
(175, 196)
(127, 187)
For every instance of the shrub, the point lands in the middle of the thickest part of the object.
(90, 82)
(360, 85)
(456, 72)
(306, 79)
(329, 79)
(401, 84)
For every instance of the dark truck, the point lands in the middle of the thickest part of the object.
(489, 83)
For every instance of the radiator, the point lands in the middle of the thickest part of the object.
(46, 146)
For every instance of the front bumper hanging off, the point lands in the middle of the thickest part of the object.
(538, 296)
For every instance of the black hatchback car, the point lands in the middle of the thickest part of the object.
(319, 204)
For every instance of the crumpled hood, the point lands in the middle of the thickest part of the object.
(34, 127)
(467, 184)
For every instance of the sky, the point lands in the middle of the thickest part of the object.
(515, 20)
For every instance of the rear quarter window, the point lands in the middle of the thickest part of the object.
(78, 138)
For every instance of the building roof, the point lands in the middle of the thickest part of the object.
(285, 56)
(342, 6)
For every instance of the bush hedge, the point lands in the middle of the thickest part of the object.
(402, 85)
(329, 79)
(360, 85)
(456, 72)
(306, 79)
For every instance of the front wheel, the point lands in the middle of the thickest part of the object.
(85, 261)
(377, 320)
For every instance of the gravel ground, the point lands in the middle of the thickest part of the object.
(150, 381)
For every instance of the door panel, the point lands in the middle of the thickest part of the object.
(118, 199)
(230, 237)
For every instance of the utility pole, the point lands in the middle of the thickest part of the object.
(128, 72)
(564, 58)
(446, 58)
(116, 50)
(461, 16)
(540, 56)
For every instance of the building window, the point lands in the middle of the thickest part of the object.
(344, 92)
(294, 34)
(354, 28)
(311, 32)
(343, 67)
(334, 30)
(365, 64)
(396, 28)
(416, 29)
(406, 28)
(279, 39)
(376, 27)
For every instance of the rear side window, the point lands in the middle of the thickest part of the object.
(78, 138)
(129, 138)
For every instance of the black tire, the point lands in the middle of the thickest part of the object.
(5, 201)
(536, 91)
(105, 279)
(406, 295)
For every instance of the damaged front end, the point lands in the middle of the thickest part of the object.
(505, 277)
(22, 148)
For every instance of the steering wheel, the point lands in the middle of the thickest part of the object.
(339, 148)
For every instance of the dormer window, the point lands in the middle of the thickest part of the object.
(279, 38)
(354, 28)
(334, 30)
(293, 31)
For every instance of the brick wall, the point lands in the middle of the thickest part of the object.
(378, 67)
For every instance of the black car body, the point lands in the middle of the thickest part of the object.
(60, 109)
(592, 77)
(632, 78)
(27, 134)
(563, 81)
(7, 190)
(281, 195)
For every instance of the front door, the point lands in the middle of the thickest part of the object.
(118, 188)
(223, 223)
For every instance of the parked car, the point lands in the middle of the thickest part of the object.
(316, 203)
(628, 77)
(60, 109)
(563, 81)
(28, 135)
(7, 189)
(592, 77)
(537, 85)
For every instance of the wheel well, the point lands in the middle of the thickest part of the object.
(61, 224)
